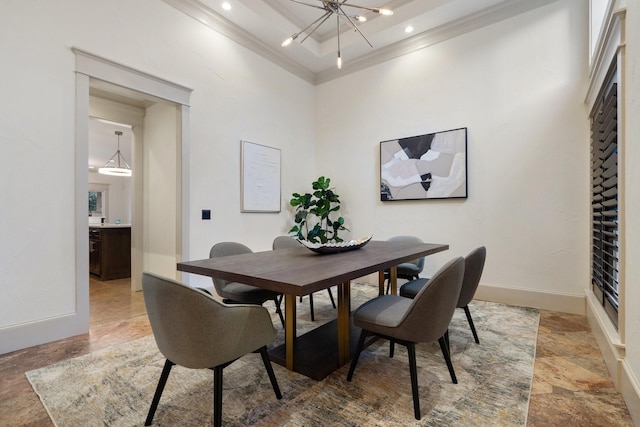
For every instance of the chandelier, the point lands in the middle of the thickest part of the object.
(335, 7)
(114, 165)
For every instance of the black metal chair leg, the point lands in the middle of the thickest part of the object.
(470, 320)
(269, 368)
(217, 396)
(413, 369)
(311, 307)
(447, 358)
(356, 356)
(333, 302)
(159, 389)
(278, 309)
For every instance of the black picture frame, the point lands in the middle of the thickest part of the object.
(429, 166)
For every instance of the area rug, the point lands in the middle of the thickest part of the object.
(114, 387)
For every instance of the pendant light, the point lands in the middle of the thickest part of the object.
(116, 165)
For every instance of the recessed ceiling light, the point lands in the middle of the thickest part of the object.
(226, 5)
(408, 29)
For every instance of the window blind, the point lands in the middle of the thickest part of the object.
(604, 197)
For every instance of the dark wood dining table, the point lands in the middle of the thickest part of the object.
(298, 271)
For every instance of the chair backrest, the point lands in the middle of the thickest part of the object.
(473, 266)
(194, 330)
(226, 249)
(432, 308)
(411, 239)
(285, 242)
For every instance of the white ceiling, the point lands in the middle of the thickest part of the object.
(262, 25)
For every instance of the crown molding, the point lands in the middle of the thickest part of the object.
(483, 18)
(220, 24)
(434, 36)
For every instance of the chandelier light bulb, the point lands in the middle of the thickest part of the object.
(339, 62)
(361, 18)
(386, 12)
(287, 42)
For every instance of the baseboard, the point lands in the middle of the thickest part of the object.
(553, 301)
(34, 333)
(614, 355)
(607, 337)
(630, 390)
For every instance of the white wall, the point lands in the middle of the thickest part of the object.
(518, 86)
(161, 205)
(236, 95)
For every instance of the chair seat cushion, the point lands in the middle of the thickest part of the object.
(382, 313)
(242, 293)
(411, 289)
(408, 269)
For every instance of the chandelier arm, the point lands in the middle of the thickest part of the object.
(353, 25)
(120, 156)
(323, 18)
(339, 60)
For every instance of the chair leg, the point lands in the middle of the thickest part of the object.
(217, 396)
(470, 320)
(413, 369)
(356, 356)
(159, 389)
(311, 307)
(447, 358)
(392, 347)
(278, 309)
(269, 368)
(333, 302)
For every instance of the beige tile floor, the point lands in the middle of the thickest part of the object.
(571, 385)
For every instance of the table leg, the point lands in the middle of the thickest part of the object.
(381, 282)
(344, 314)
(393, 278)
(289, 328)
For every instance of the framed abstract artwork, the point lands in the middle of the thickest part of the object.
(430, 166)
(260, 178)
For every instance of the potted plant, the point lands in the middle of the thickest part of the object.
(313, 219)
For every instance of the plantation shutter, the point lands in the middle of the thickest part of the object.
(604, 197)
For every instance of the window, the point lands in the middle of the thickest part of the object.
(604, 196)
(98, 199)
(95, 203)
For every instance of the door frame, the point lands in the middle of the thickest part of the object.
(90, 66)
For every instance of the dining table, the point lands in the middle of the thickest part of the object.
(297, 272)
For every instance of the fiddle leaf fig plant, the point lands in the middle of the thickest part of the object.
(314, 212)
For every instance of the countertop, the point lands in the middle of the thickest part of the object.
(109, 225)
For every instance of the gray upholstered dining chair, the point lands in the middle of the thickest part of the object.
(404, 321)
(240, 293)
(194, 330)
(473, 266)
(409, 270)
(284, 242)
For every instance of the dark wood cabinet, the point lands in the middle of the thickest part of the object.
(110, 252)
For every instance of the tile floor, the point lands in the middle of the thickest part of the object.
(571, 385)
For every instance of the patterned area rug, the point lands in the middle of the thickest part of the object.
(114, 387)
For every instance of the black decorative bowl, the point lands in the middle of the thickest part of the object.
(334, 248)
